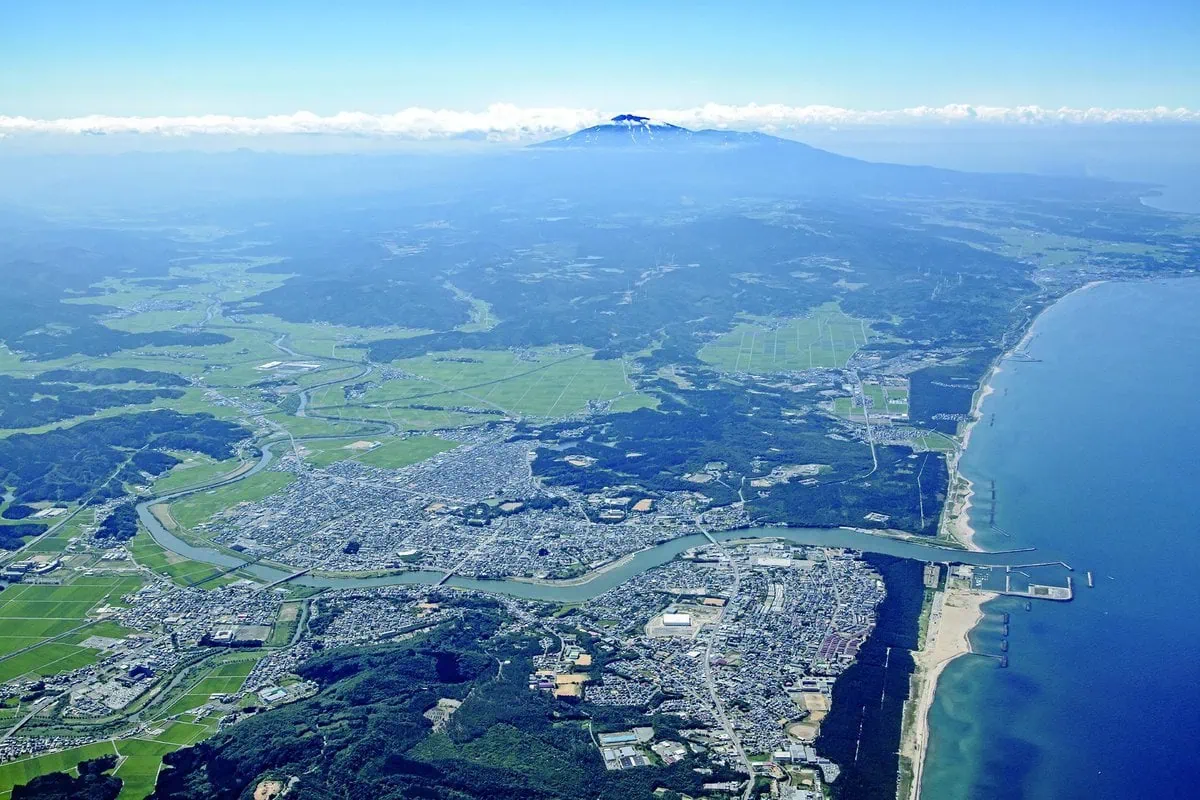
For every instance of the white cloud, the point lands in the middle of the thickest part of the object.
(507, 122)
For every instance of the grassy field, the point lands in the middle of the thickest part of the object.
(825, 338)
(196, 469)
(390, 454)
(938, 442)
(32, 614)
(224, 678)
(311, 426)
(190, 511)
(16, 773)
(180, 570)
(550, 382)
(139, 759)
(402, 452)
(285, 623)
(884, 400)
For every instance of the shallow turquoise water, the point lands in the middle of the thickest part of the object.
(1096, 456)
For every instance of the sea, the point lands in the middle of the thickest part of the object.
(1094, 448)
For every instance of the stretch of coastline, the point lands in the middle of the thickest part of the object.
(958, 506)
(1089, 478)
(954, 615)
(948, 637)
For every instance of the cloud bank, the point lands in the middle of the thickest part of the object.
(505, 122)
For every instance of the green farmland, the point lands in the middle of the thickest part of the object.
(885, 402)
(190, 511)
(182, 571)
(32, 616)
(549, 382)
(138, 764)
(825, 338)
(389, 454)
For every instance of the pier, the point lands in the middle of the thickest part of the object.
(1039, 591)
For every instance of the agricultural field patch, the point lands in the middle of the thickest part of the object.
(189, 512)
(194, 469)
(31, 615)
(546, 382)
(826, 337)
(182, 571)
(882, 401)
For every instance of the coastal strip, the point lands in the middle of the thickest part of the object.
(954, 614)
(956, 519)
(956, 611)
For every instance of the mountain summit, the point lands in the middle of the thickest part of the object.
(626, 130)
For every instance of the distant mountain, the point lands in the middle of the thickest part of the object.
(638, 154)
(632, 130)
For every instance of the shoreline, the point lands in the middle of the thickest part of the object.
(957, 513)
(938, 650)
(946, 639)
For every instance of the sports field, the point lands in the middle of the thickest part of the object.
(825, 338)
(30, 615)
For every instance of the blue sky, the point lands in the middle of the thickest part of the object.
(67, 59)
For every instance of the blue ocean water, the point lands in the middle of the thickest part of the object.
(1095, 451)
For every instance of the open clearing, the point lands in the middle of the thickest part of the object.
(825, 338)
(185, 572)
(194, 509)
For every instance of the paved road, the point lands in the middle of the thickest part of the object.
(718, 706)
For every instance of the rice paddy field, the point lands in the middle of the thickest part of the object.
(138, 759)
(826, 337)
(33, 616)
(225, 678)
(549, 382)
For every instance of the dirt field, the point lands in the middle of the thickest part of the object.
(162, 513)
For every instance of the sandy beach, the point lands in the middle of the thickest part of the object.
(945, 640)
(958, 507)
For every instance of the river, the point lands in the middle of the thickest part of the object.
(1095, 451)
(572, 592)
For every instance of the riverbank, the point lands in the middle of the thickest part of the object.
(955, 614)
